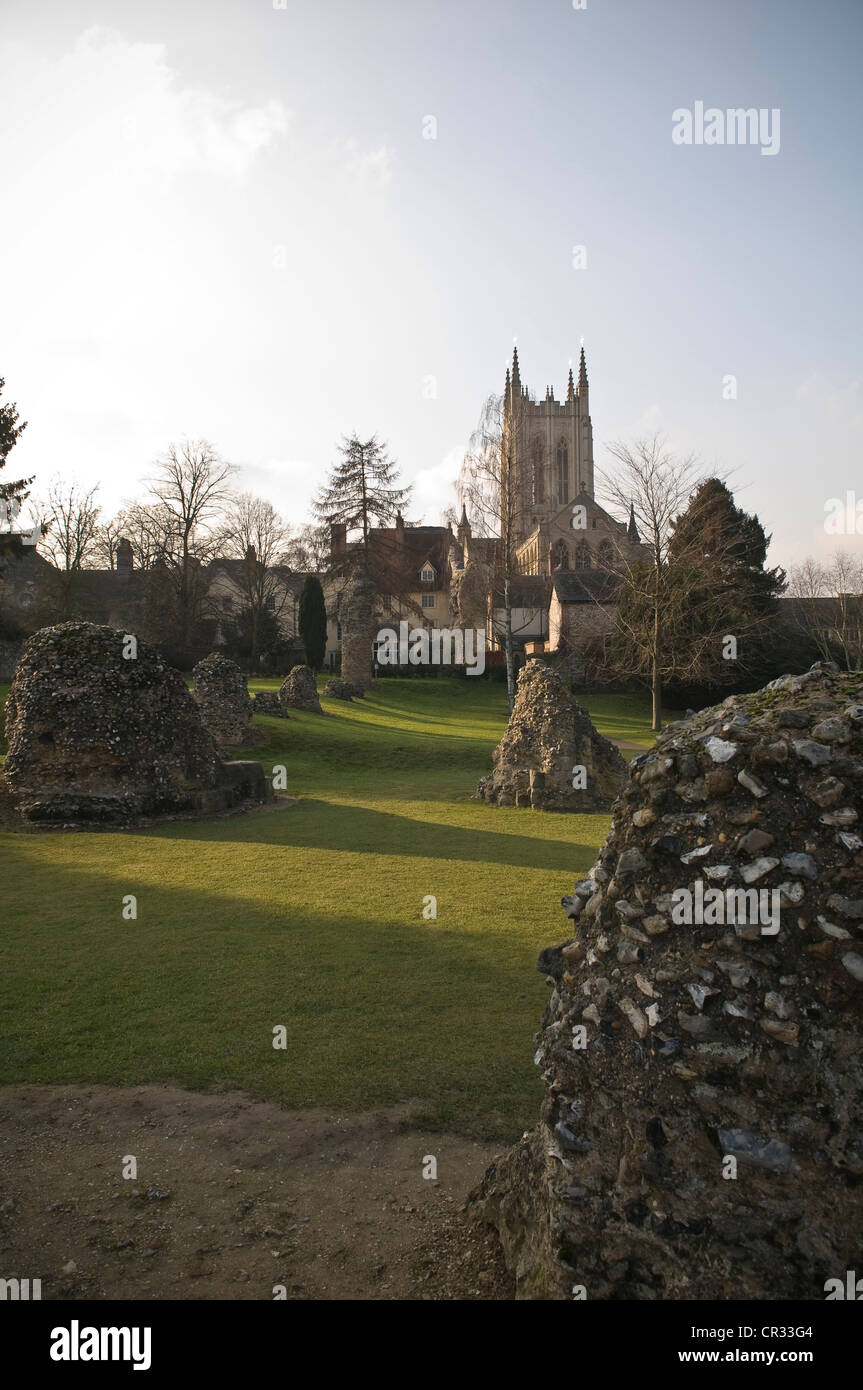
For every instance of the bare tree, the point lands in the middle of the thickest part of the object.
(495, 504)
(308, 550)
(70, 520)
(108, 535)
(258, 536)
(827, 605)
(190, 488)
(654, 486)
(152, 533)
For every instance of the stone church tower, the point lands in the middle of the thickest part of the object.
(548, 482)
(552, 446)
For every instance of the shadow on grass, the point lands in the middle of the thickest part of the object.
(376, 1010)
(314, 824)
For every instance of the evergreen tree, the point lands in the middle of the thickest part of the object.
(360, 490)
(10, 430)
(729, 545)
(718, 553)
(313, 621)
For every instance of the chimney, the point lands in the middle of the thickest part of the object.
(124, 558)
(338, 540)
(251, 555)
(400, 526)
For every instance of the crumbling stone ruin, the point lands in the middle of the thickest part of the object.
(268, 702)
(342, 690)
(224, 701)
(701, 1132)
(10, 653)
(549, 736)
(299, 690)
(356, 615)
(469, 592)
(102, 730)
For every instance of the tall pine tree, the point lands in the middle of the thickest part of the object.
(360, 490)
(10, 430)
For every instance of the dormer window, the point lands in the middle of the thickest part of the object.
(427, 574)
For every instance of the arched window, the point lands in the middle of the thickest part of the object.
(537, 473)
(606, 555)
(562, 472)
(582, 556)
(559, 556)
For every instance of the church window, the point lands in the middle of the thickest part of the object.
(562, 472)
(538, 474)
(606, 555)
(559, 556)
(582, 556)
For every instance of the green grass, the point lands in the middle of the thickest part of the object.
(310, 917)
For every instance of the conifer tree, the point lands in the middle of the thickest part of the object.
(360, 490)
(719, 554)
(728, 544)
(10, 430)
(312, 619)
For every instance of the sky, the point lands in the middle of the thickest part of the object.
(270, 225)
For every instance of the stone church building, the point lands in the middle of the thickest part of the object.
(569, 550)
(559, 526)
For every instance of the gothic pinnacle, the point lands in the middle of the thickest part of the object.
(582, 372)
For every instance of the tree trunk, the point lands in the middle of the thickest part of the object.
(507, 642)
(655, 678)
(253, 655)
(184, 592)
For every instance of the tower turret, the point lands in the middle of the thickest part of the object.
(582, 374)
(570, 389)
(463, 533)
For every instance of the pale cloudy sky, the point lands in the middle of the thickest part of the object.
(221, 219)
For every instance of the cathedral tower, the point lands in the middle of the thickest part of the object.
(552, 447)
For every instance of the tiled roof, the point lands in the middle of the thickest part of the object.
(586, 586)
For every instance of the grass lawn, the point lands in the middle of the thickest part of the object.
(311, 917)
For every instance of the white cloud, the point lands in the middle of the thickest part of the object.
(433, 488)
(111, 111)
(371, 167)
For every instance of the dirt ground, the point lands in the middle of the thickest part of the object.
(232, 1198)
